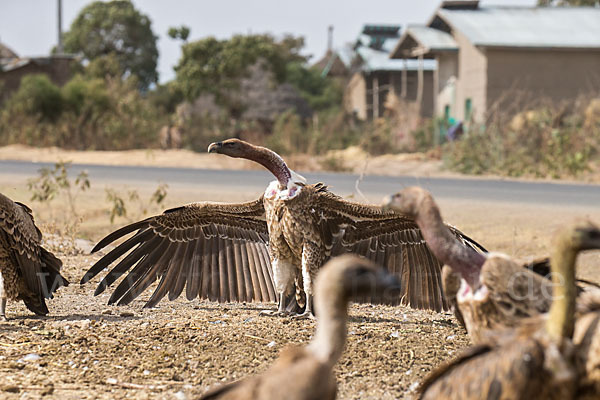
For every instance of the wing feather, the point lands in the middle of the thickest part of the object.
(202, 247)
(389, 239)
(37, 267)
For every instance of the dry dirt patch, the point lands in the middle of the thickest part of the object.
(87, 349)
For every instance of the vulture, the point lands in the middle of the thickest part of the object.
(267, 249)
(28, 272)
(535, 360)
(305, 373)
(494, 292)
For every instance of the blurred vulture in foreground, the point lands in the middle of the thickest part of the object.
(306, 373)
(490, 291)
(268, 249)
(28, 272)
(535, 360)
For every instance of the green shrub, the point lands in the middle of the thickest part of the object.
(37, 95)
(546, 142)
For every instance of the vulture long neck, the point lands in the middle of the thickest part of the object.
(332, 313)
(560, 323)
(271, 161)
(446, 247)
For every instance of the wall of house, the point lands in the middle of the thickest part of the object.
(355, 96)
(445, 78)
(59, 70)
(520, 78)
(358, 95)
(412, 77)
(472, 79)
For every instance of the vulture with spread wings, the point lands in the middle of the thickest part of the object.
(28, 272)
(268, 249)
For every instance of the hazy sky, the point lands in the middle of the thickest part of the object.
(29, 26)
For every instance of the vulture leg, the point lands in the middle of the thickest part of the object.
(313, 257)
(2, 299)
(284, 273)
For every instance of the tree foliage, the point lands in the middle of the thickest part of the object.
(213, 66)
(117, 28)
(39, 96)
(182, 32)
(320, 92)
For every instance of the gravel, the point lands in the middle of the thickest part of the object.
(86, 349)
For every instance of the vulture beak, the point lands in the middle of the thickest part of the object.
(215, 147)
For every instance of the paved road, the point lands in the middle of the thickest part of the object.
(372, 186)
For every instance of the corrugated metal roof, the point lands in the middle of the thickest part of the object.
(557, 27)
(432, 39)
(375, 60)
(15, 64)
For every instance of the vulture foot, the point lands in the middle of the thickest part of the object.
(276, 313)
(305, 315)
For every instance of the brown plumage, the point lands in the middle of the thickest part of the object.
(218, 250)
(28, 272)
(307, 373)
(303, 225)
(308, 224)
(495, 292)
(587, 339)
(537, 359)
(451, 285)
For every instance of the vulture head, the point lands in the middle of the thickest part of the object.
(409, 201)
(349, 277)
(232, 147)
(580, 236)
(267, 158)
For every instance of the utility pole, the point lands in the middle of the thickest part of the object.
(330, 38)
(59, 47)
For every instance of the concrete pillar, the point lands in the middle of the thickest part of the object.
(375, 96)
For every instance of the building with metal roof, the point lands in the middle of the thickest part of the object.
(59, 68)
(379, 83)
(504, 58)
(6, 53)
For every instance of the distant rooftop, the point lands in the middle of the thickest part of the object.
(420, 39)
(381, 30)
(541, 27)
(376, 36)
(374, 45)
(6, 52)
(16, 63)
(460, 4)
(375, 60)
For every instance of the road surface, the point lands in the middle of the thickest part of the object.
(374, 187)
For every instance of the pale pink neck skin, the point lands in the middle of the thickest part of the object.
(447, 248)
(271, 161)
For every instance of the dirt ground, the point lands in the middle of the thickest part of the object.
(87, 349)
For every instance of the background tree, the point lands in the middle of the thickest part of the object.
(213, 66)
(181, 33)
(577, 3)
(116, 28)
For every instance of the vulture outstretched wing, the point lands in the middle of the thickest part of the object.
(38, 268)
(390, 240)
(217, 251)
